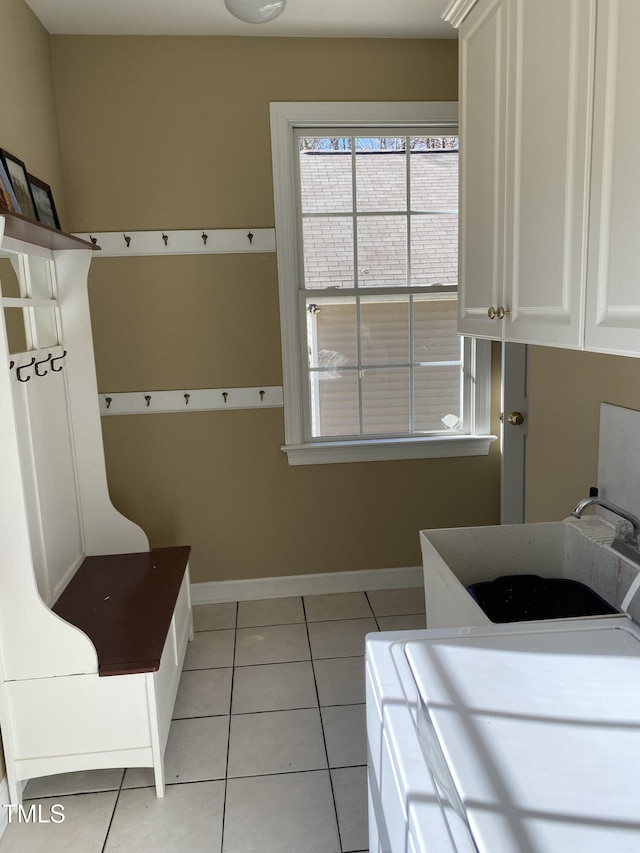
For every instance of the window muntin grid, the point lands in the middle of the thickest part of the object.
(362, 350)
(389, 230)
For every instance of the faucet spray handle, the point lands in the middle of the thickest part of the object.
(624, 531)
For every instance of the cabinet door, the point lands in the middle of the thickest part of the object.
(483, 42)
(550, 74)
(613, 289)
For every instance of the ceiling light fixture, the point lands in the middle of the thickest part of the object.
(256, 11)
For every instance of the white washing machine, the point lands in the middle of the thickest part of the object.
(505, 739)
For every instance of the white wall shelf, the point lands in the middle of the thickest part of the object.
(191, 400)
(122, 244)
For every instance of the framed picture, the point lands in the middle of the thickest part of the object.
(43, 201)
(8, 200)
(18, 176)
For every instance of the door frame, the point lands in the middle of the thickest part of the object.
(513, 438)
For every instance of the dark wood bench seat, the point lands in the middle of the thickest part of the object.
(124, 603)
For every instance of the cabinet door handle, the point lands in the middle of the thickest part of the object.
(492, 313)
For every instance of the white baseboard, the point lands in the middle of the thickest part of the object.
(215, 592)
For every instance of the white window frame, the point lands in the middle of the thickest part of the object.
(286, 118)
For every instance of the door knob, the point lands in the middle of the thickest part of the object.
(516, 419)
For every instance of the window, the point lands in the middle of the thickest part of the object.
(366, 228)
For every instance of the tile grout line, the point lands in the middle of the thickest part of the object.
(324, 738)
(273, 710)
(366, 595)
(226, 769)
(278, 662)
(113, 813)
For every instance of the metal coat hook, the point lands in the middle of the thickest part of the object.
(108, 401)
(127, 240)
(186, 399)
(11, 364)
(42, 361)
(225, 395)
(57, 358)
(261, 395)
(165, 238)
(147, 397)
(250, 237)
(24, 367)
(205, 237)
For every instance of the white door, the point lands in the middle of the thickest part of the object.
(613, 291)
(483, 42)
(514, 433)
(548, 121)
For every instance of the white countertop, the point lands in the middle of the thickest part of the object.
(536, 728)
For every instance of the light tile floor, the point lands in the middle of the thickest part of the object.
(267, 749)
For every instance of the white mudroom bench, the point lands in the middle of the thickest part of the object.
(94, 624)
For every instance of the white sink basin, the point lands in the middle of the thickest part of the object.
(573, 549)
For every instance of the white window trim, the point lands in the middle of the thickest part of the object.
(285, 117)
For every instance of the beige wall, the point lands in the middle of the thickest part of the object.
(28, 119)
(566, 390)
(174, 133)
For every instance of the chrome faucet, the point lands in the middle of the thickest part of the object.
(625, 544)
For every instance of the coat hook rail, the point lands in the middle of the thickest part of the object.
(201, 241)
(58, 358)
(24, 367)
(191, 400)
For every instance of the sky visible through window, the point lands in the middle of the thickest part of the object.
(379, 143)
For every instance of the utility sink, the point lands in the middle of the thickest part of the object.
(565, 557)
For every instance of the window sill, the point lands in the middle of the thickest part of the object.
(379, 450)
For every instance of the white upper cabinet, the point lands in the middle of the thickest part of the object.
(526, 71)
(613, 290)
(550, 76)
(483, 48)
(548, 194)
